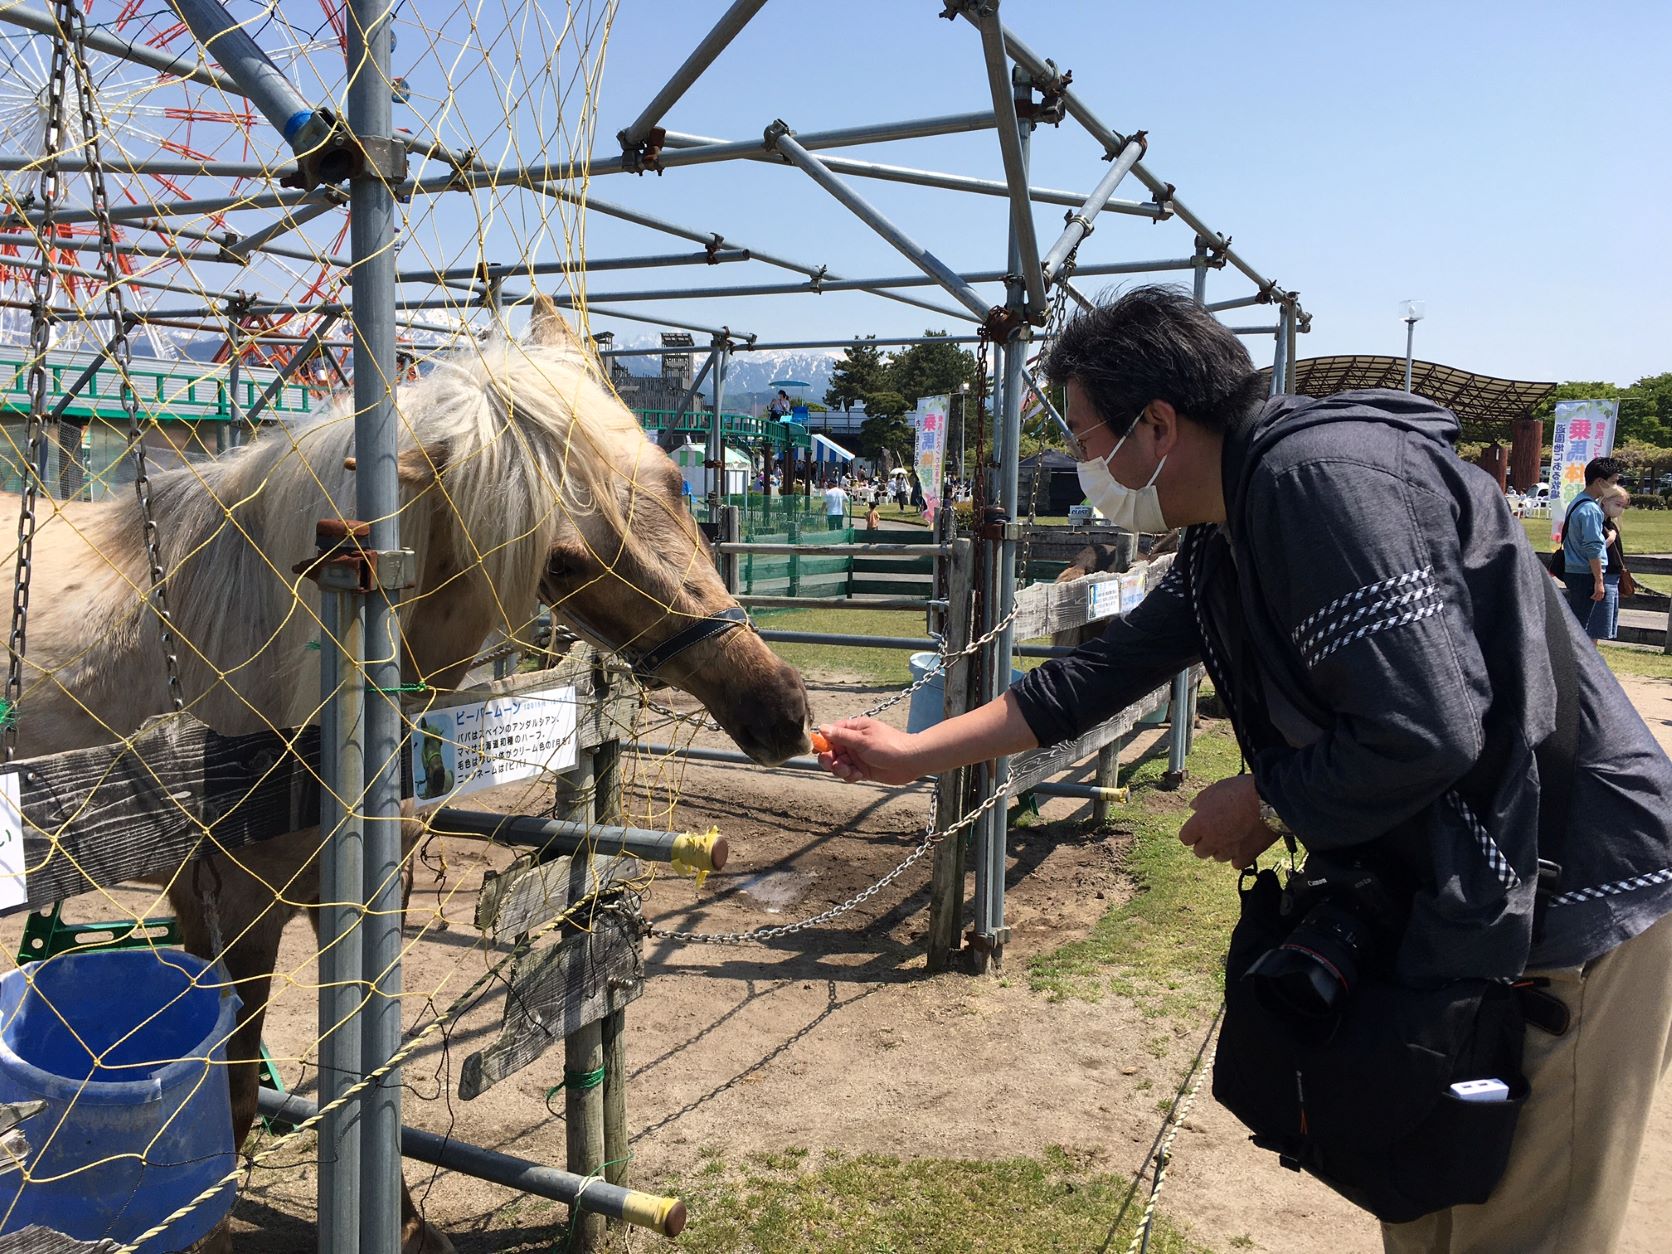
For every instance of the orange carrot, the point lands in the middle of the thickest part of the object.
(820, 744)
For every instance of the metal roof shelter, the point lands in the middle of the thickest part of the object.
(1010, 301)
(1486, 405)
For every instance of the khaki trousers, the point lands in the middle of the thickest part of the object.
(1577, 1142)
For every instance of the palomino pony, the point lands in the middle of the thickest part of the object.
(524, 478)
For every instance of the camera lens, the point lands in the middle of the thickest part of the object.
(1311, 973)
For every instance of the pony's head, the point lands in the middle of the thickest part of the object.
(540, 483)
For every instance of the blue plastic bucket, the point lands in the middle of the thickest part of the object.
(928, 703)
(127, 1048)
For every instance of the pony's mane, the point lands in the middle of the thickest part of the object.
(504, 447)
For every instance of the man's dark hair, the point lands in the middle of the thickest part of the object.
(1602, 468)
(1156, 343)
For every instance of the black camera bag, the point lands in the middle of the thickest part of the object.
(1364, 1101)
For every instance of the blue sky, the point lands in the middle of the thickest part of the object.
(1505, 163)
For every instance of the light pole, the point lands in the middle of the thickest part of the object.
(1411, 312)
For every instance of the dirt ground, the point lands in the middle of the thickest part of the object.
(836, 1036)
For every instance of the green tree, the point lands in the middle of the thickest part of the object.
(1646, 410)
(933, 369)
(885, 437)
(859, 370)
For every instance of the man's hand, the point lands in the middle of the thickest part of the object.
(1226, 824)
(1600, 591)
(865, 749)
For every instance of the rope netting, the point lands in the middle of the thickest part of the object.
(174, 317)
(178, 381)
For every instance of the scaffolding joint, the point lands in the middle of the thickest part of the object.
(325, 153)
(1141, 138)
(1002, 322)
(775, 132)
(1163, 200)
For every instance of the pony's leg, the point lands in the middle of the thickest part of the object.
(250, 923)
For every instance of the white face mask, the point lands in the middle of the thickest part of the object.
(1134, 509)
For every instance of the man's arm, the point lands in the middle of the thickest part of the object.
(1140, 651)
(1381, 624)
(1055, 702)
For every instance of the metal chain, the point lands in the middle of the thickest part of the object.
(73, 23)
(40, 340)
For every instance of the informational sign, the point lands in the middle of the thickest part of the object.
(1105, 599)
(1131, 590)
(464, 748)
(1584, 430)
(14, 888)
(930, 460)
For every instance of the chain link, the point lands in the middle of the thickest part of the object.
(73, 24)
(40, 341)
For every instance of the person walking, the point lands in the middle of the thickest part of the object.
(1396, 685)
(836, 505)
(1584, 552)
(1605, 618)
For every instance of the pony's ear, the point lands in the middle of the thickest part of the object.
(418, 467)
(548, 326)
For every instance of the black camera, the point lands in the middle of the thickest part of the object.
(1347, 920)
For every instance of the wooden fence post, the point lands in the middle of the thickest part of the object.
(583, 1110)
(946, 892)
(1108, 776)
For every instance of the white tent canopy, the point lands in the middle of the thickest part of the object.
(825, 450)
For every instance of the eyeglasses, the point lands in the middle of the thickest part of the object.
(1076, 447)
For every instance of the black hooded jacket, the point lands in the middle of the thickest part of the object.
(1374, 617)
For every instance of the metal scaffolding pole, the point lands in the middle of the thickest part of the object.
(1011, 147)
(1080, 223)
(848, 136)
(286, 372)
(1289, 328)
(121, 163)
(309, 131)
(1280, 352)
(241, 248)
(341, 980)
(935, 178)
(702, 56)
(101, 40)
(715, 454)
(372, 220)
(1113, 142)
(1199, 285)
(590, 265)
(877, 286)
(778, 136)
(1241, 302)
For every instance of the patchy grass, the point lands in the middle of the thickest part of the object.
(1163, 948)
(1643, 663)
(1644, 531)
(879, 1204)
(882, 666)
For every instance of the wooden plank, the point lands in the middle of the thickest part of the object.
(1045, 608)
(555, 991)
(105, 815)
(1028, 769)
(529, 892)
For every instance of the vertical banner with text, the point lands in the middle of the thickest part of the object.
(1584, 430)
(930, 460)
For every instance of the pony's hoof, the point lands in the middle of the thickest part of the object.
(417, 1237)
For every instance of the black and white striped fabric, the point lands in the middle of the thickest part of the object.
(1396, 601)
(1634, 883)
(1489, 848)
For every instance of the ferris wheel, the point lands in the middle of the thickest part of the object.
(155, 133)
(191, 168)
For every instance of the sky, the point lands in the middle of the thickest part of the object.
(1505, 163)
